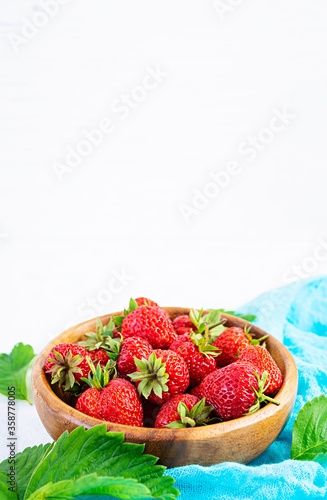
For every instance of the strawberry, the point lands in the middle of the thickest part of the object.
(261, 359)
(199, 357)
(182, 330)
(235, 390)
(67, 364)
(232, 342)
(181, 339)
(183, 410)
(183, 324)
(113, 400)
(150, 323)
(88, 403)
(196, 391)
(135, 304)
(99, 355)
(162, 375)
(142, 301)
(120, 403)
(132, 346)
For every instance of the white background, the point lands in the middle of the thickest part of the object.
(62, 243)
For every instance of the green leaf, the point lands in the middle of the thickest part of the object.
(99, 326)
(212, 317)
(177, 424)
(246, 317)
(91, 484)
(84, 452)
(25, 463)
(195, 317)
(13, 370)
(309, 441)
(5, 493)
(118, 320)
(216, 331)
(132, 305)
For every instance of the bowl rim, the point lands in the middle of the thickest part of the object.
(286, 392)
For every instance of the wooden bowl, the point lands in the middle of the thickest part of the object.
(240, 440)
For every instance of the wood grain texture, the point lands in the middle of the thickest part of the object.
(240, 440)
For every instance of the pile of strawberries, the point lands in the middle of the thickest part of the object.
(143, 369)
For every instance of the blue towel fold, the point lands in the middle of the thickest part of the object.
(297, 316)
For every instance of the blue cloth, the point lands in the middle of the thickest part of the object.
(297, 316)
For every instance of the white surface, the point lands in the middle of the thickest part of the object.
(61, 243)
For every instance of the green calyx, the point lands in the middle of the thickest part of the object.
(99, 376)
(118, 320)
(261, 397)
(152, 376)
(253, 341)
(212, 320)
(100, 338)
(198, 415)
(203, 343)
(64, 368)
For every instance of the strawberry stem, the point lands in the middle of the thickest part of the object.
(261, 397)
(198, 415)
(151, 374)
(272, 400)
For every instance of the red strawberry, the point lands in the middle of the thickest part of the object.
(132, 346)
(99, 355)
(88, 403)
(198, 364)
(183, 410)
(181, 339)
(231, 390)
(114, 401)
(182, 330)
(196, 391)
(120, 403)
(232, 342)
(199, 357)
(67, 364)
(183, 324)
(234, 390)
(162, 375)
(261, 359)
(142, 301)
(150, 323)
(168, 412)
